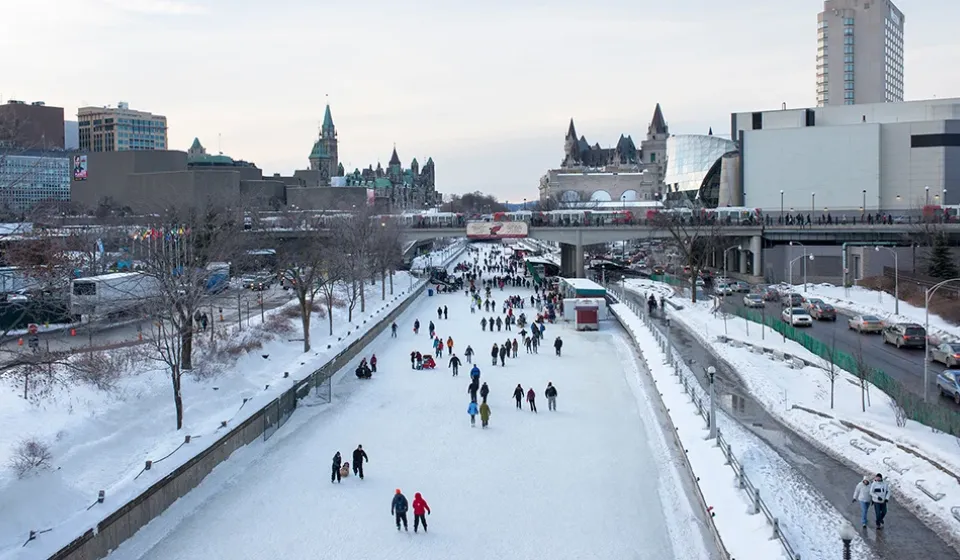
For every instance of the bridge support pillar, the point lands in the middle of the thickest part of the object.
(743, 262)
(571, 260)
(756, 248)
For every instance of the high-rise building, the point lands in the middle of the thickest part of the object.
(33, 126)
(859, 52)
(120, 129)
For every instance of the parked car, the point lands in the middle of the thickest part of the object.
(947, 354)
(797, 316)
(824, 312)
(792, 300)
(865, 324)
(905, 334)
(810, 303)
(753, 300)
(948, 383)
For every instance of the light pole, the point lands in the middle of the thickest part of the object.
(846, 537)
(864, 209)
(725, 251)
(711, 372)
(781, 203)
(927, 199)
(896, 277)
(813, 202)
(926, 338)
(803, 256)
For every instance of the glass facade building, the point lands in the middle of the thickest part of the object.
(692, 160)
(30, 178)
(109, 129)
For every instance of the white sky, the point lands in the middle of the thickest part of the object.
(486, 89)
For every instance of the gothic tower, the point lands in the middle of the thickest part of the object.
(324, 157)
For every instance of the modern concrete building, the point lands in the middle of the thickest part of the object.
(859, 52)
(31, 126)
(71, 135)
(890, 157)
(32, 177)
(120, 129)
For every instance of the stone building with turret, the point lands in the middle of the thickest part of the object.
(325, 156)
(398, 188)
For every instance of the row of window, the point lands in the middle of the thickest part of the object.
(848, 40)
(848, 49)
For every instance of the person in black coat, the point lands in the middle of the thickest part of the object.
(335, 473)
(455, 364)
(359, 456)
(472, 389)
(557, 345)
(484, 391)
(518, 395)
(551, 394)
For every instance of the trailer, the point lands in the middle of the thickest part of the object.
(109, 295)
(218, 277)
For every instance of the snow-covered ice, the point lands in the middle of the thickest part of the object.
(587, 481)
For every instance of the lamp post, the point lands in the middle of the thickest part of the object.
(813, 202)
(896, 277)
(781, 203)
(711, 372)
(524, 205)
(926, 338)
(737, 247)
(792, 243)
(927, 192)
(846, 537)
(864, 209)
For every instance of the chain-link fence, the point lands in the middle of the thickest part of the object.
(938, 417)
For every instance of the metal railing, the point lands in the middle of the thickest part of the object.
(701, 400)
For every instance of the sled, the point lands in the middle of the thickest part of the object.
(429, 363)
(345, 470)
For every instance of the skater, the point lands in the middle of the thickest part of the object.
(433, 330)
(455, 364)
(862, 494)
(393, 330)
(557, 345)
(413, 360)
(469, 354)
(503, 356)
(475, 373)
(551, 394)
(419, 507)
(532, 399)
(483, 324)
(416, 326)
(652, 304)
(439, 313)
(472, 411)
(373, 363)
(494, 352)
(444, 311)
(535, 343)
(449, 344)
(881, 495)
(472, 389)
(335, 468)
(484, 391)
(515, 347)
(526, 343)
(518, 395)
(359, 456)
(484, 414)
(499, 324)
(398, 508)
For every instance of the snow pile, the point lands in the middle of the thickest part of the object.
(871, 440)
(100, 440)
(647, 287)
(437, 258)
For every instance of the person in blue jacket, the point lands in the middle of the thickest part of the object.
(472, 410)
(398, 508)
(475, 373)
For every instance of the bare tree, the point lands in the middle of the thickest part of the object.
(828, 363)
(862, 372)
(386, 253)
(334, 275)
(308, 271)
(899, 413)
(695, 236)
(355, 234)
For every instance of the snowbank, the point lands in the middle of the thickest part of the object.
(100, 441)
(916, 461)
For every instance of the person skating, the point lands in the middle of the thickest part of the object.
(526, 343)
(862, 494)
(455, 364)
(373, 363)
(433, 330)
(359, 456)
(518, 396)
(439, 313)
(484, 391)
(335, 472)
(413, 360)
(419, 507)
(532, 399)
(449, 344)
(551, 393)
(516, 346)
(535, 343)
(398, 509)
(483, 324)
(469, 354)
(494, 352)
(503, 356)
(499, 324)
(484, 413)
(419, 360)
(880, 493)
(393, 330)
(557, 345)
(444, 311)
(416, 326)
(472, 411)
(475, 373)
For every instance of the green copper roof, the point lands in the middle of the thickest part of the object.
(196, 146)
(382, 183)
(207, 159)
(319, 151)
(327, 119)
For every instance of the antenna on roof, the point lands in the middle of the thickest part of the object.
(220, 143)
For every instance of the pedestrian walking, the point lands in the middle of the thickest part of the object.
(439, 313)
(472, 411)
(359, 456)
(416, 327)
(419, 508)
(557, 345)
(373, 363)
(551, 393)
(393, 330)
(532, 399)
(862, 494)
(880, 492)
(444, 311)
(398, 508)
(469, 354)
(484, 391)
(455, 364)
(518, 396)
(484, 414)
(335, 472)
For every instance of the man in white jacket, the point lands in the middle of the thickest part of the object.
(862, 494)
(880, 493)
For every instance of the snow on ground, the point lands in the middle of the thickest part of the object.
(779, 387)
(582, 482)
(99, 440)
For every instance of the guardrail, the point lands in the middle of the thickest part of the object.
(123, 523)
(701, 401)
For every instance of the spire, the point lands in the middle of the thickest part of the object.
(394, 158)
(328, 127)
(571, 131)
(658, 125)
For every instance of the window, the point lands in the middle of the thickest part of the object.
(848, 76)
(848, 40)
(848, 58)
(848, 68)
(653, 158)
(848, 49)
(848, 86)
(848, 95)
(848, 31)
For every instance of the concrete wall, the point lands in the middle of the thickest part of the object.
(614, 184)
(107, 173)
(827, 264)
(327, 198)
(263, 193)
(838, 115)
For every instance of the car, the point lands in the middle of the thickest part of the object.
(947, 354)
(865, 324)
(948, 384)
(723, 289)
(257, 282)
(741, 287)
(810, 303)
(770, 293)
(792, 299)
(753, 300)
(824, 312)
(797, 317)
(905, 334)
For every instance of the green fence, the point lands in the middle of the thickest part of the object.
(940, 417)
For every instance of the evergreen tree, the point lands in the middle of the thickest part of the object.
(942, 264)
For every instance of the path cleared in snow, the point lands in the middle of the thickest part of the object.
(578, 483)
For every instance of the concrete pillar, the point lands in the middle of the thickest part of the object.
(579, 270)
(568, 256)
(756, 247)
(743, 261)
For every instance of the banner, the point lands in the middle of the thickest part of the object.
(496, 230)
(79, 168)
(371, 197)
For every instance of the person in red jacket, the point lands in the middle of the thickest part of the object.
(373, 363)
(419, 506)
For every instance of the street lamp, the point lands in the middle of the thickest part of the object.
(862, 210)
(813, 202)
(781, 203)
(737, 247)
(927, 199)
(926, 338)
(711, 372)
(896, 277)
(846, 537)
(797, 243)
(524, 205)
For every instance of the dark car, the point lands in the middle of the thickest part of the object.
(823, 312)
(771, 294)
(910, 335)
(792, 300)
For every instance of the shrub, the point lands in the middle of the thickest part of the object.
(278, 324)
(29, 457)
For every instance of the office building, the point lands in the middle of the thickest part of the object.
(120, 129)
(31, 126)
(859, 52)
(32, 177)
(71, 135)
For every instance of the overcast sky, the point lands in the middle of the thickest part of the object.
(485, 88)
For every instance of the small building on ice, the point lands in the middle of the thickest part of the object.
(587, 315)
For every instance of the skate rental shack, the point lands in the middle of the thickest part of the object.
(589, 296)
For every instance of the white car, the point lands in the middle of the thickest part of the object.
(723, 289)
(753, 300)
(797, 316)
